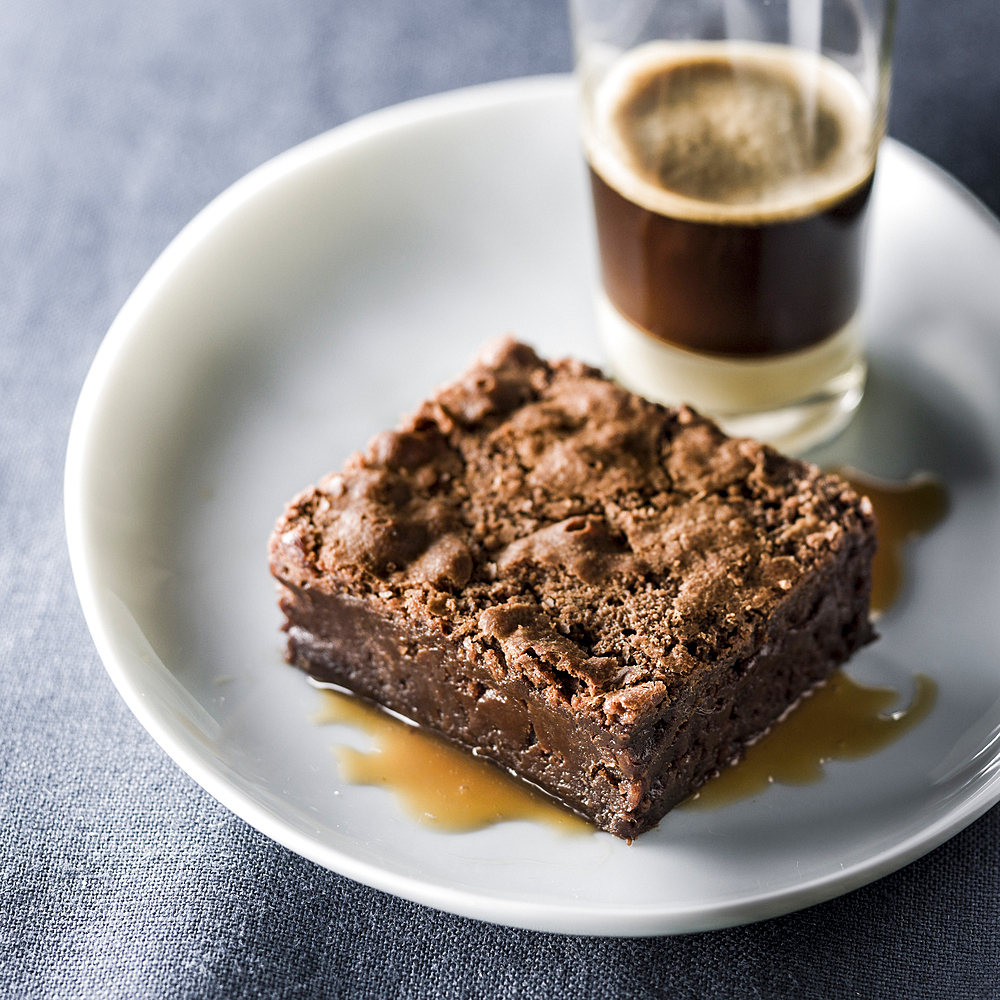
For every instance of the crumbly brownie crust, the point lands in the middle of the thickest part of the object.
(607, 596)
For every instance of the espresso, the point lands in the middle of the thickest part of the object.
(730, 186)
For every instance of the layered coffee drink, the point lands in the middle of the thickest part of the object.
(730, 182)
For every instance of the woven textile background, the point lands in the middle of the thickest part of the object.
(119, 876)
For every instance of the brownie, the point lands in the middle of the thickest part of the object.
(606, 596)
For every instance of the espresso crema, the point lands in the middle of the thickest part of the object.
(730, 187)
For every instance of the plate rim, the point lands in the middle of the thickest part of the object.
(558, 917)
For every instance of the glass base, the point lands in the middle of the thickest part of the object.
(794, 401)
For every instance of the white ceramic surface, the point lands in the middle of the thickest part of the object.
(320, 297)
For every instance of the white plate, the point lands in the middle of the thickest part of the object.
(322, 296)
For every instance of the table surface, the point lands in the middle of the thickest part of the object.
(119, 875)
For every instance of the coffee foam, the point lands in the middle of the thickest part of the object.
(731, 156)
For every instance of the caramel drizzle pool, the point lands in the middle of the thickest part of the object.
(437, 783)
(903, 511)
(842, 720)
(443, 786)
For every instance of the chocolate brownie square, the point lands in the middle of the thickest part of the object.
(608, 597)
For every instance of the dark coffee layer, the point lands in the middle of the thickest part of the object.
(608, 596)
(732, 289)
(730, 186)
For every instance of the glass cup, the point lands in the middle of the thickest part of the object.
(732, 147)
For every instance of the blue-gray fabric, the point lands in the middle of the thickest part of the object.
(119, 876)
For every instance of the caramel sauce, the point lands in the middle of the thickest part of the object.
(903, 510)
(437, 783)
(444, 786)
(842, 720)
